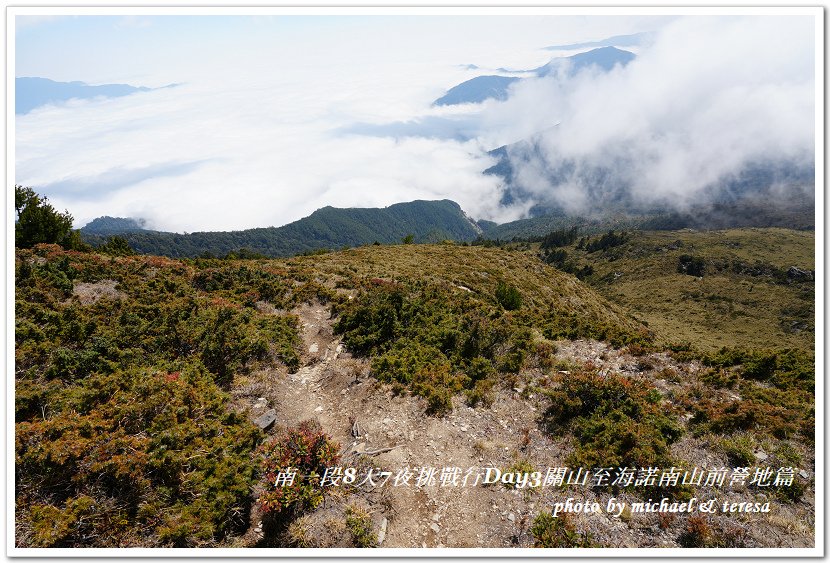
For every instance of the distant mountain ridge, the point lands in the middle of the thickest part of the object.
(481, 88)
(107, 225)
(633, 40)
(477, 89)
(757, 210)
(604, 58)
(326, 228)
(34, 92)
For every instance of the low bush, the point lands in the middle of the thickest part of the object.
(123, 435)
(699, 532)
(560, 531)
(359, 525)
(573, 325)
(134, 458)
(508, 296)
(616, 421)
(433, 343)
(786, 369)
(691, 265)
(293, 463)
(763, 410)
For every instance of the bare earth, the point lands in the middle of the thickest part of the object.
(336, 390)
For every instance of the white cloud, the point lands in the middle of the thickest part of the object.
(709, 98)
(269, 152)
(258, 133)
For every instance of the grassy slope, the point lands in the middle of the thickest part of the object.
(543, 288)
(720, 308)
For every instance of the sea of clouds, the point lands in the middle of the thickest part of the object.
(266, 127)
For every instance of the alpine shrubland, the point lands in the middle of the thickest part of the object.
(128, 369)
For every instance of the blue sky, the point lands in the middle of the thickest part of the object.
(287, 113)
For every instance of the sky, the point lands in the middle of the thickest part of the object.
(275, 116)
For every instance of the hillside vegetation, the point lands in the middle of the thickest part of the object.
(138, 379)
(124, 433)
(739, 287)
(326, 228)
(766, 210)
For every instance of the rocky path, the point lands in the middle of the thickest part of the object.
(364, 416)
(337, 391)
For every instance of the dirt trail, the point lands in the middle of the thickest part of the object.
(336, 389)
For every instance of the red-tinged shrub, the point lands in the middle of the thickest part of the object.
(308, 451)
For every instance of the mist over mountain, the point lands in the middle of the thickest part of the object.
(702, 111)
(633, 40)
(33, 92)
(113, 226)
(604, 190)
(481, 88)
(671, 131)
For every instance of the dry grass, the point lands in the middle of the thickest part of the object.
(721, 308)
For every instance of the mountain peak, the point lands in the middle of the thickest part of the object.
(33, 91)
(327, 227)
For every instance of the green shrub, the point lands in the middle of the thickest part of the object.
(508, 296)
(571, 326)
(616, 421)
(691, 265)
(117, 398)
(52, 526)
(739, 450)
(436, 344)
(722, 378)
(764, 410)
(116, 246)
(519, 466)
(149, 448)
(437, 385)
(481, 393)
(560, 531)
(786, 369)
(359, 525)
(607, 241)
(37, 221)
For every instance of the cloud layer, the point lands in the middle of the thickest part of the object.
(280, 124)
(709, 99)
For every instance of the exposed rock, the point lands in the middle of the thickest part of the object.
(798, 274)
(382, 531)
(89, 293)
(265, 420)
